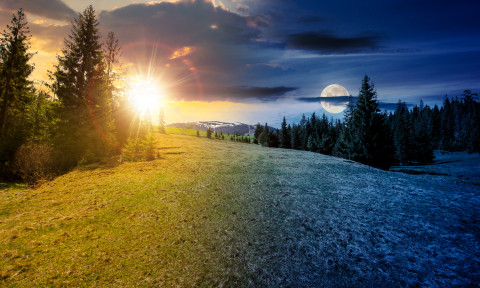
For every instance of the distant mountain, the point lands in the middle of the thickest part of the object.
(218, 126)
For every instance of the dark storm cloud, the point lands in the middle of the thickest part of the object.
(327, 43)
(179, 24)
(238, 93)
(53, 9)
(219, 41)
(264, 93)
(332, 99)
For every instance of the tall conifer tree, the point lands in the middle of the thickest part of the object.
(371, 135)
(81, 84)
(16, 90)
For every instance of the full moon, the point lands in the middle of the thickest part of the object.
(334, 90)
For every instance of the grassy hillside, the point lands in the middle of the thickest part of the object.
(191, 132)
(219, 213)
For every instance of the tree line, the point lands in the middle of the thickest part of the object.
(79, 118)
(82, 117)
(380, 139)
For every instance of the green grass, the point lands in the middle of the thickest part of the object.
(155, 223)
(212, 213)
(191, 132)
(183, 131)
(13, 187)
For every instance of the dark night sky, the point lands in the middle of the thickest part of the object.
(274, 54)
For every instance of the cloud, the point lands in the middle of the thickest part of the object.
(237, 94)
(48, 38)
(332, 100)
(179, 24)
(326, 43)
(259, 20)
(200, 44)
(262, 93)
(242, 8)
(390, 106)
(53, 9)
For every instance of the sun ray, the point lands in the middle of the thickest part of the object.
(146, 97)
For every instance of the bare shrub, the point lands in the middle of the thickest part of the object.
(34, 162)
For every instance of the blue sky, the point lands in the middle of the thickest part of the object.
(269, 55)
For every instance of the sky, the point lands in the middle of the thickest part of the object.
(257, 61)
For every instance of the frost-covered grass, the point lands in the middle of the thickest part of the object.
(218, 213)
(456, 166)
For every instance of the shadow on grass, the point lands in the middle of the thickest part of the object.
(13, 186)
(102, 165)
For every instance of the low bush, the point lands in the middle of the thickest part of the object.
(34, 162)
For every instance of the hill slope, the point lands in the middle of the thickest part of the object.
(212, 213)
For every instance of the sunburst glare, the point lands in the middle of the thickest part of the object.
(145, 96)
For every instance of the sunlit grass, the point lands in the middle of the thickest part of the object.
(212, 213)
(191, 132)
(144, 223)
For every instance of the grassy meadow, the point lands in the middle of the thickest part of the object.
(220, 213)
(191, 132)
(164, 222)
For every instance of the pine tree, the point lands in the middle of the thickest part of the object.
(42, 118)
(302, 130)
(112, 52)
(289, 137)
(16, 91)
(447, 128)
(435, 124)
(209, 133)
(264, 137)
(256, 134)
(295, 137)
(327, 138)
(82, 86)
(273, 139)
(284, 135)
(307, 132)
(371, 135)
(121, 110)
(15, 68)
(422, 135)
(402, 134)
(344, 144)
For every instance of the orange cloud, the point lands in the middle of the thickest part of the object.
(182, 52)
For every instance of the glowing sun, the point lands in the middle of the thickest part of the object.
(145, 96)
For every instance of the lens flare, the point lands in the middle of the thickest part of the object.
(145, 96)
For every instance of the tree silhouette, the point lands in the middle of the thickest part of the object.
(81, 84)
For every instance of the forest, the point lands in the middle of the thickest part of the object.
(380, 139)
(80, 116)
